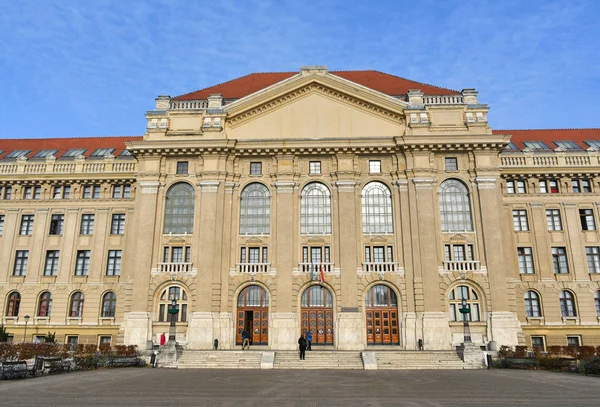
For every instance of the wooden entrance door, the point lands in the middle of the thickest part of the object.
(253, 314)
(383, 325)
(317, 314)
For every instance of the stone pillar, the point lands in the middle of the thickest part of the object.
(350, 329)
(504, 325)
(578, 268)
(139, 263)
(283, 327)
(436, 330)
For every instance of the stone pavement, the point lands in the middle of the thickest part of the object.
(240, 388)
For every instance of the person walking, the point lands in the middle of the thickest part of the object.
(302, 344)
(245, 339)
(309, 340)
(163, 339)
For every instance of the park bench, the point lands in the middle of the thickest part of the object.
(13, 369)
(123, 361)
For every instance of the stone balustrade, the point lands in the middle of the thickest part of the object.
(315, 267)
(559, 159)
(75, 167)
(253, 267)
(380, 267)
(174, 268)
(443, 100)
(461, 265)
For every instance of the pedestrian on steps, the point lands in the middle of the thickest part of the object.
(245, 339)
(309, 340)
(302, 344)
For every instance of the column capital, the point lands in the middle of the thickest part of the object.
(285, 187)
(402, 185)
(209, 186)
(486, 182)
(423, 183)
(345, 186)
(149, 187)
(230, 186)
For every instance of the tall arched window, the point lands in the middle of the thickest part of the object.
(253, 296)
(45, 304)
(456, 297)
(12, 306)
(179, 209)
(317, 296)
(455, 208)
(315, 209)
(567, 304)
(532, 304)
(167, 296)
(109, 305)
(76, 306)
(381, 296)
(597, 298)
(377, 208)
(255, 210)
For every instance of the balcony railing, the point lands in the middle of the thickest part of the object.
(253, 267)
(461, 266)
(78, 166)
(558, 159)
(174, 268)
(380, 267)
(315, 267)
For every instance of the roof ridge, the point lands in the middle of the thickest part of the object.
(64, 138)
(412, 80)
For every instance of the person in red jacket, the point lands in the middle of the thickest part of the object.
(163, 339)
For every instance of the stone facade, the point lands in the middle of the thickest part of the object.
(311, 128)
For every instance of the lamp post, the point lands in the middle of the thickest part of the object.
(173, 311)
(26, 318)
(465, 310)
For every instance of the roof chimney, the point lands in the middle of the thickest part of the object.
(305, 70)
(162, 102)
(215, 101)
(470, 96)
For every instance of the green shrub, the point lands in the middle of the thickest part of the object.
(505, 352)
(590, 366)
(520, 352)
(586, 352)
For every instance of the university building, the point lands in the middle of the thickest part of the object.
(358, 205)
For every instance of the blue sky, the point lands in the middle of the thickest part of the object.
(93, 68)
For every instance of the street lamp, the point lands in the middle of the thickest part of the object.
(465, 310)
(26, 318)
(173, 311)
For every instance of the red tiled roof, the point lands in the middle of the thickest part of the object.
(549, 135)
(64, 144)
(379, 81)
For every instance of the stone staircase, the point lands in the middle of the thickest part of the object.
(221, 359)
(318, 359)
(407, 359)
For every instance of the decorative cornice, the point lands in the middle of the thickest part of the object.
(209, 186)
(402, 185)
(230, 186)
(486, 182)
(149, 187)
(346, 186)
(423, 183)
(285, 187)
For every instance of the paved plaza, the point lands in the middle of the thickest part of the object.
(239, 388)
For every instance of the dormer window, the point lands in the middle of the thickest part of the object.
(45, 153)
(102, 152)
(74, 152)
(536, 145)
(17, 153)
(567, 145)
(511, 147)
(593, 143)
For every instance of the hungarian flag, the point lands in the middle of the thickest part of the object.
(322, 274)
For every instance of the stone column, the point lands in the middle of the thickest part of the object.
(436, 330)
(139, 263)
(578, 268)
(541, 249)
(350, 329)
(283, 324)
(504, 325)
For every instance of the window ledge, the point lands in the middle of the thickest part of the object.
(570, 320)
(255, 175)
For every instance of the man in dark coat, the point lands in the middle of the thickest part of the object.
(302, 344)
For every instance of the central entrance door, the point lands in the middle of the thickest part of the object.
(317, 314)
(253, 315)
(382, 316)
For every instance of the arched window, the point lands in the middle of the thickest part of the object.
(456, 297)
(381, 296)
(377, 209)
(167, 296)
(253, 296)
(109, 305)
(45, 304)
(532, 304)
(567, 304)
(179, 209)
(76, 306)
(317, 296)
(12, 306)
(255, 210)
(455, 208)
(597, 298)
(315, 209)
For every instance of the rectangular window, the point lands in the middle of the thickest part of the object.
(552, 186)
(253, 255)
(37, 192)
(87, 224)
(451, 164)
(567, 145)
(538, 342)
(102, 152)
(378, 254)
(117, 226)
(581, 186)
(574, 341)
(116, 191)
(374, 167)
(256, 168)
(390, 254)
(182, 167)
(82, 264)
(188, 252)
(56, 224)
(314, 167)
(5, 193)
(448, 252)
(458, 252)
(17, 153)
(20, 268)
(553, 219)
(559, 259)
(367, 254)
(74, 152)
(243, 255)
(520, 220)
(27, 192)
(265, 254)
(26, 225)
(96, 192)
(586, 216)
(593, 259)
(66, 191)
(51, 267)
(105, 340)
(516, 187)
(45, 153)
(57, 192)
(536, 145)
(126, 191)
(1, 224)
(72, 341)
(113, 266)
(525, 260)
(470, 256)
(177, 255)
(166, 254)
(91, 191)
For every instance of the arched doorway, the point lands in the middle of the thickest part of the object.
(317, 314)
(253, 314)
(382, 316)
